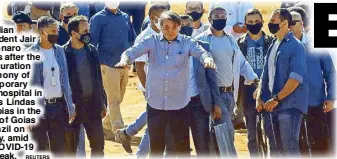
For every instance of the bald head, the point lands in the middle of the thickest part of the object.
(296, 16)
(297, 24)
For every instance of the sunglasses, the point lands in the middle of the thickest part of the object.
(295, 21)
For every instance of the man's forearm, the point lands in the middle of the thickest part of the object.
(288, 88)
(141, 72)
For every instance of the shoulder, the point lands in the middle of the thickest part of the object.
(124, 14)
(98, 15)
(92, 47)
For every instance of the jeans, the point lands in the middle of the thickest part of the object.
(94, 130)
(287, 124)
(179, 126)
(137, 125)
(51, 128)
(318, 132)
(199, 123)
(227, 106)
(250, 114)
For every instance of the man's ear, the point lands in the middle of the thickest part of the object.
(61, 16)
(210, 20)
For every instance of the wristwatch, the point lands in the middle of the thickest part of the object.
(275, 98)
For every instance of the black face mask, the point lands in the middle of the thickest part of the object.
(254, 29)
(85, 38)
(219, 24)
(186, 30)
(52, 38)
(66, 19)
(273, 28)
(195, 15)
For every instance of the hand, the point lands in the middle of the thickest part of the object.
(328, 106)
(29, 128)
(121, 64)
(270, 105)
(237, 28)
(209, 63)
(259, 105)
(103, 113)
(72, 118)
(216, 112)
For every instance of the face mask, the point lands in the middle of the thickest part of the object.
(254, 29)
(85, 38)
(52, 38)
(273, 28)
(112, 4)
(186, 30)
(66, 19)
(195, 15)
(219, 24)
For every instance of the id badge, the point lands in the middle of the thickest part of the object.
(53, 81)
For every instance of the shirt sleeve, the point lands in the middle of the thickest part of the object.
(132, 34)
(95, 30)
(139, 49)
(297, 63)
(329, 74)
(198, 51)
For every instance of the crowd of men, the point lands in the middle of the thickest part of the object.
(194, 76)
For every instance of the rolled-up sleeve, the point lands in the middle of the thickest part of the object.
(139, 49)
(297, 63)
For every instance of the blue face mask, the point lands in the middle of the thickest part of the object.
(186, 30)
(254, 29)
(219, 24)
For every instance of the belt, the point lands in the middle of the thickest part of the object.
(226, 89)
(53, 100)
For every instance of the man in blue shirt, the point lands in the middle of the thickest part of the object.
(112, 33)
(284, 86)
(322, 95)
(167, 81)
(67, 11)
(254, 46)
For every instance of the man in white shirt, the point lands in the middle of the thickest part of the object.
(195, 9)
(235, 15)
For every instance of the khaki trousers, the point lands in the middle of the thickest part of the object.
(114, 83)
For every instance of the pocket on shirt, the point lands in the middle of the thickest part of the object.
(179, 58)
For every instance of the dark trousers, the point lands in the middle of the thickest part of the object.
(331, 119)
(51, 129)
(199, 123)
(318, 133)
(94, 130)
(137, 15)
(178, 123)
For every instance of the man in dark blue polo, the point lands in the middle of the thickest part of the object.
(112, 33)
(67, 11)
(284, 86)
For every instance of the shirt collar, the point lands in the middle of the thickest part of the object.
(304, 39)
(109, 11)
(288, 36)
(177, 39)
(201, 28)
(209, 32)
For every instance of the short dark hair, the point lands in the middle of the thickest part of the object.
(185, 16)
(75, 22)
(200, 2)
(216, 8)
(156, 7)
(284, 15)
(167, 3)
(251, 12)
(171, 16)
(303, 14)
(45, 21)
